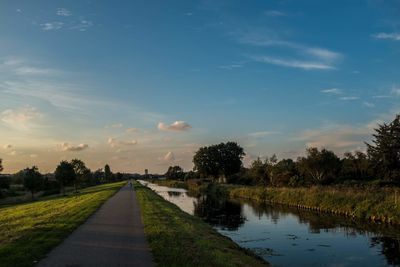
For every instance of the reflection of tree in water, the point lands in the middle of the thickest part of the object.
(390, 248)
(174, 194)
(217, 210)
(384, 235)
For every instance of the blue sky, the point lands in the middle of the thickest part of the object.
(143, 84)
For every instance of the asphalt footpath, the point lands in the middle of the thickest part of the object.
(112, 236)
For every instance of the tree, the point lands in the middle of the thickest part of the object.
(33, 180)
(282, 171)
(384, 153)
(81, 172)
(107, 173)
(175, 172)
(258, 172)
(223, 159)
(65, 174)
(320, 166)
(1, 165)
(355, 166)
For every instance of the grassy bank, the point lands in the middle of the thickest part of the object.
(381, 205)
(29, 231)
(179, 239)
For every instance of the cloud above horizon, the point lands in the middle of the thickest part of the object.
(177, 126)
(69, 147)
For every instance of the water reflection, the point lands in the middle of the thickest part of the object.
(219, 212)
(287, 236)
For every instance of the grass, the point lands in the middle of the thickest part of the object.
(380, 205)
(29, 231)
(179, 239)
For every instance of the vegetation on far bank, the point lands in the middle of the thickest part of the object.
(179, 239)
(377, 205)
(29, 231)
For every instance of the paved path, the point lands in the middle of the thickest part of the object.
(112, 236)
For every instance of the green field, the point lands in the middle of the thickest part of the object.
(29, 231)
(179, 239)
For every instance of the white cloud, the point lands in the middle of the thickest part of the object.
(13, 153)
(113, 142)
(63, 12)
(369, 104)
(340, 138)
(335, 91)
(69, 147)
(177, 126)
(395, 91)
(19, 116)
(27, 70)
(298, 55)
(49, 26)
(82, 25)
(33, 155)
(305, 65)
(169, 156)
(349, 98)
(391, 36)
(116, 125)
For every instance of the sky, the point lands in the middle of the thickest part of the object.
(143, 84)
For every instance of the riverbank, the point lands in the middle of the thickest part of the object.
(372, 204)
(378, 205)
(29, 231)
(179, 239)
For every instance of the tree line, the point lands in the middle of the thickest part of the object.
(68, 173)
(380, 164)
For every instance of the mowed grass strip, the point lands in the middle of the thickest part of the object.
(179, 239)
(29, 231)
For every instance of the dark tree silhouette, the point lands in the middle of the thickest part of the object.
(223, 159)
(175, 172)
(81, 172)
(385, 150)
(107, 173)
(65, 174)
(33, 180)
(1, 165)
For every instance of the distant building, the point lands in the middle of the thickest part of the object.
(146, 172)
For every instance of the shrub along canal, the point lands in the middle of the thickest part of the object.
(286, 236)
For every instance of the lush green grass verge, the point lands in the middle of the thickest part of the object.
(29, 231)
(179, 239)
(375, 204)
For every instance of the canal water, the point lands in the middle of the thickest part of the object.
(287, 236)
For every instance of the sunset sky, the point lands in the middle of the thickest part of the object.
(143, 84)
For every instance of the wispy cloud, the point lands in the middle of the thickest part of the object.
(113, 142)
(262, 134)
(296, 55)
(395, 91)
(169, 157)
(231, 66)
(349, 98)
(395, 36)
(19, 116)
(177, 126)
(335, 91)
(305, 65)
(82, 25)
(70, 147)
(50, 26)
(369, 104)
(132, 130)
(63, 12)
